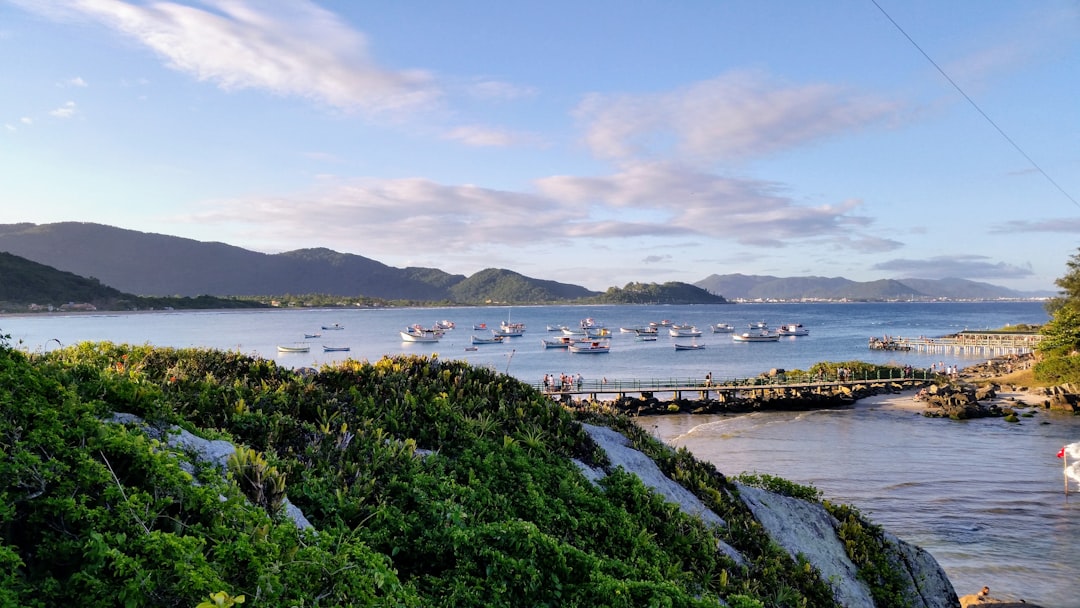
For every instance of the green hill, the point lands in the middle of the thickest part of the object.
(26, 285)
(652, 293)
(24, 282)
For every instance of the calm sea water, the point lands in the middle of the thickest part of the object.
(984, 497)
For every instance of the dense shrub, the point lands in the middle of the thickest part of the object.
(428, 483)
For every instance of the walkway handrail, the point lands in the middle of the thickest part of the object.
(639, 385)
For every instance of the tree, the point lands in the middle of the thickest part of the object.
(1061, 335)
(1070, 288)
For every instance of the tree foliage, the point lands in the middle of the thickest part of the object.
(1060, 346)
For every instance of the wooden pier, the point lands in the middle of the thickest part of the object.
(697, 389)
(986, 343)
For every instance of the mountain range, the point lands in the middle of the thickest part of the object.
(152, 264)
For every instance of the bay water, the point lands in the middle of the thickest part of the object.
(985, 497)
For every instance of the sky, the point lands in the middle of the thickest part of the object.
(593, 143)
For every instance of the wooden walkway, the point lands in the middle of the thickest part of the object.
(687, 388)
(988, 343)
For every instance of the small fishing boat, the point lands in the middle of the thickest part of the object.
(684, 331)
(559, 342)
(312, 335)
(590, 347)
(793, 329)
(334, 326)
(761, 335)
(491, 340)
(444, 325)
(416, 333)
(335, 349)
(510, 330)
(480, 327)
(689, 346)
(645, 337)
(295, 348)
(471, 348)
(722, 328)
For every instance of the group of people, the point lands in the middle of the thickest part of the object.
(949, 370)
(564, 382)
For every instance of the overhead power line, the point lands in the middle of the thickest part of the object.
(976, 106)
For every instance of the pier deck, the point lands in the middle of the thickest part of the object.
(597, 390)
(988, 343)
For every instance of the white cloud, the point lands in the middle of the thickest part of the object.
(287, 47)
(65, 111)
(499, 91)
(26, 120)
(658, 200)
(962, 266)
(482, 136)
(77, 82)
(736, 115)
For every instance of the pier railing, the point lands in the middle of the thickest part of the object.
(604, 386)
(987, 343)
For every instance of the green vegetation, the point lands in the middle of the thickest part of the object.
(427, 483)
(1059, 349)
(672, 292)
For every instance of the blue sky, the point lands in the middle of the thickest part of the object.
(593, 143)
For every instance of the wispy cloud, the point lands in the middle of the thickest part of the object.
(1066, 225)
(74, 82)
(740, 114)
(964, 266)
(65, 111)
(292, 48)
(488, 137)
(657, 200)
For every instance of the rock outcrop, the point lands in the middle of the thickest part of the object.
(801, 527)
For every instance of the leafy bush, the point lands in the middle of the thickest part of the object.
(430, 483)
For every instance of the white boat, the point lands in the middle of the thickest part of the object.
(335, 349)
(597, 332)
(722, 328)
(556, 327)
(480, 327)
(312, 335)
(444, 325)
(590, 347)
(629, 330)
(416, 333)
(684, 331)
(759, 325)
(793, 329)
(664, 323)
(296, 348)
(647, 331)
(561, 342)
(689, 346)
(510, 330)
(492, 340)
(575, 333)
(761, 335)
(334, 326)
(645, 337)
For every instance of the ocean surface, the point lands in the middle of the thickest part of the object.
(985, 497)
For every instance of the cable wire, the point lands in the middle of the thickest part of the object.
(976, 106)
